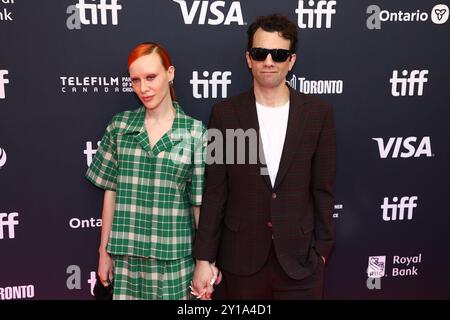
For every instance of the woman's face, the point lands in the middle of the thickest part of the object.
(150, 80)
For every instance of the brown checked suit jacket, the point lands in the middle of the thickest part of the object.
(242, 214)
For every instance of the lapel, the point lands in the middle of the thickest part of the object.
(296, 123)
(248, 119)
(174, 135)
(135, 127)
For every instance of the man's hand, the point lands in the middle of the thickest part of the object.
(205, 276)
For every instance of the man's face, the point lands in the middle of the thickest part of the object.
(268, 73)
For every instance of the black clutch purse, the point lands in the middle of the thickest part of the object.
(101, 292)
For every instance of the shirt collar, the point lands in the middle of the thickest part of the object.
(136, 122)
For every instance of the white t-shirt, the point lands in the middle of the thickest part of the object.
(272, 127)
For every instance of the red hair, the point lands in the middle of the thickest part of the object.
(146, 48)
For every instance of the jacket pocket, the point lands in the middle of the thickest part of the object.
(307, 226)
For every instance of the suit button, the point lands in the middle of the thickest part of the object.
(273, 237)
(269, 224)
(274, 195)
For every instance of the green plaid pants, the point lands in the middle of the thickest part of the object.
(137, 278)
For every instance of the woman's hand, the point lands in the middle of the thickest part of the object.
(105, 268)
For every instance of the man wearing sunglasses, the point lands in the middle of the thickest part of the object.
(269, 231)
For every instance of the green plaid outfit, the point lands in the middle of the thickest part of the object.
(137, 278)
(155, 187)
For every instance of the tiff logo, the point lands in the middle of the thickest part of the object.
(89, 152)
(9, 222)
(390, 210)
(3, 81)
(216, 10)
(408, 83)
(83, 13)
(405, 147)
(218, 78)
(323, 9)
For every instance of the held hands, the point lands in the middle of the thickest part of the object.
(206, 276)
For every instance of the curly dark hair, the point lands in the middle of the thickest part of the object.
(274, 23)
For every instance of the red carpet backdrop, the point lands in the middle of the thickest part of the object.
(383, 65)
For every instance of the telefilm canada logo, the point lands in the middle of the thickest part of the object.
(438, 15)
(316, 86)
(95, 84)
(6, 14)
(104, 12)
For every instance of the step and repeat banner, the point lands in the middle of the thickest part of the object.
(383, 65)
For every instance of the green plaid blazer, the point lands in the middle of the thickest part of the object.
(155, 187)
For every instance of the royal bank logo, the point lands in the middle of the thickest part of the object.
(376, 267)
(312, 14)
(409, 147)
(82, 13)
(402, 266)
(211, 12)
(217, 81)
(316, 86)
(3, 81)
(439, 15)
(6, 13)
(95, 84)
(2, 157)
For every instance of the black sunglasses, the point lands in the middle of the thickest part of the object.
(278, 55)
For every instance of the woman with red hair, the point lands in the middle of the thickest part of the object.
(151, 164)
